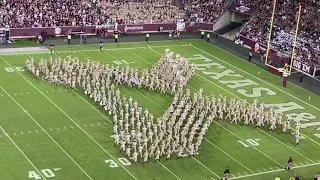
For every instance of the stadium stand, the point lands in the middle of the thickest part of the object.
(207, 10)
(308, 45)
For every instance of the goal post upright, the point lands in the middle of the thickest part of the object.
(270, 30)
(295, 39)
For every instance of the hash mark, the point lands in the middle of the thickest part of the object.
(1, 95)
(307, 162)
(258, 170)
(246, 173)
(21, 132)
(47, 92)
(21, 93)
(59, 90)
(98, 124)
(233, 175)
(271, 168)
(301, 163)
(105, 122)
(264, 169)
(64, 127)
(37, 130)
(85, 125)
(239, 174)
(14, 133)
(15, 94)
(318, 160)
(34, 92)
(29, 132)
(58, 128)
(92, 125)
(50, 129)
(27, 92)
(56, 169)
(52, 90)
(65, 90)
(71, 127)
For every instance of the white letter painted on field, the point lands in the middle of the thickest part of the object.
(303, 117)
(283, 107)
(256, 92)
(239, 83)
(219, 75)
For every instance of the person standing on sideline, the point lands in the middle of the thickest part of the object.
(202, 34)
(208, 37)
(285, 75)
(69, 39)
(250, 56)
(116, 36)
(147, 37)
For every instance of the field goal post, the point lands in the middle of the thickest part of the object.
(287, 67)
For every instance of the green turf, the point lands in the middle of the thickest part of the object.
(56, 127)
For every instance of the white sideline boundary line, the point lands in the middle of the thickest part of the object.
(23, 153)
(72, 121)
(90, 50)
(46, 133)
(277, 170)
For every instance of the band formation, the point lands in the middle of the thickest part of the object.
(136, 132)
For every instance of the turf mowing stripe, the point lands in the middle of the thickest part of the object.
(164, 109)
(46, 132)
(72, 121)
(277, 170)
(23, 153)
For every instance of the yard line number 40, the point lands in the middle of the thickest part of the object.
(249, 142)
(48, 173)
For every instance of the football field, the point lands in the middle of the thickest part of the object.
(53, 132)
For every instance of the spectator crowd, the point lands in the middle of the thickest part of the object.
(48, 13)
(284, 25)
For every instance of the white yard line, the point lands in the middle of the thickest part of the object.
(47, 134)
(23, 153)
(229, 155)
(72, 120)
(97, 50)
(277, 170)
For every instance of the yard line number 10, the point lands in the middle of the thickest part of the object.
(249, 142)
